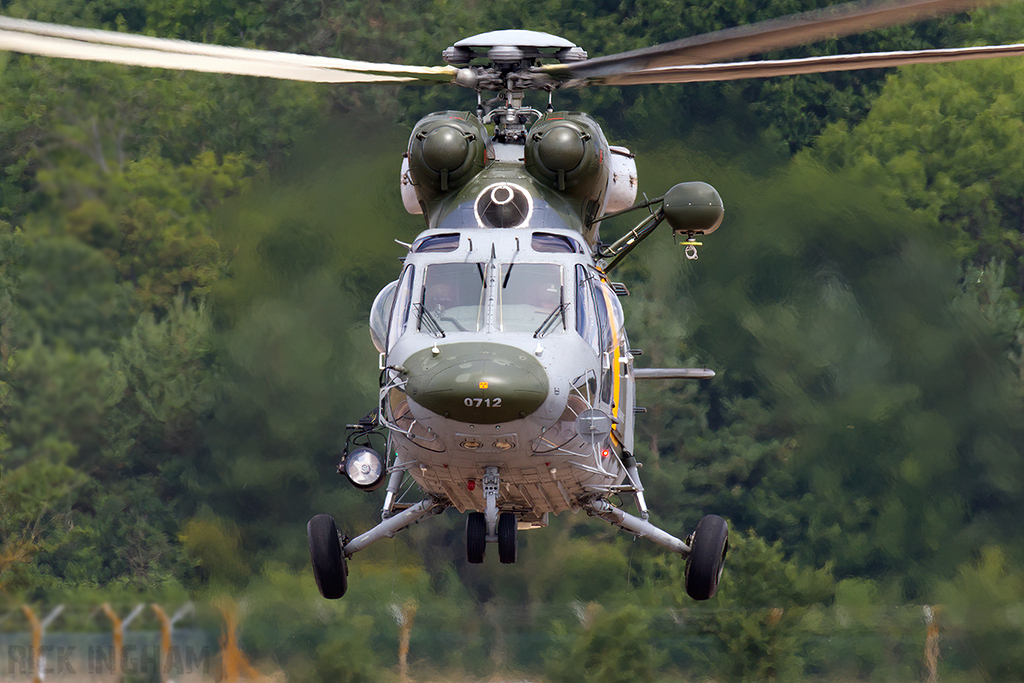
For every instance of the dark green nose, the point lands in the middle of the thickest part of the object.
(477, 382)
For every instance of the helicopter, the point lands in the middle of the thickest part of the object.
(507, 382)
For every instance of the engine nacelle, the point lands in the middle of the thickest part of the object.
(446, 150)
(567, 152)
(622, 181)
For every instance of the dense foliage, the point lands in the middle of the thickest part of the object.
(186, 263)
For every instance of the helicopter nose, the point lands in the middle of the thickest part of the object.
(477, 382)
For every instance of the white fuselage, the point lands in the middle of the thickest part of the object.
(535, 304)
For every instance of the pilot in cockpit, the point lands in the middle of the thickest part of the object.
(545, 298)
(439, 298)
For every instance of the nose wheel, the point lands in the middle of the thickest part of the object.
(476, 537)
(507, 537)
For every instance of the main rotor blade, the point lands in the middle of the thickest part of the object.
(731, 71)
(764, 36)
(52, 40)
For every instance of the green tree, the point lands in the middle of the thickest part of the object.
(766, 616)
(844, 399)
(947, 144)
(983, 605)
(607, 647)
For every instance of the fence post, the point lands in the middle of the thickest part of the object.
(931, 643)
(404, 615)
(119, 625)
(233, 660)
(38, 629)
(166, 634)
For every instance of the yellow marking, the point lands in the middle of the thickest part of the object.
(483, 385)
(617, 368)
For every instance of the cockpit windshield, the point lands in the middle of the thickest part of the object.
(453, 298)
(531, 298)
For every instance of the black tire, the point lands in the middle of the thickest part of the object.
(707, 557)
(329, 567)
(508, 538)
(476, 537)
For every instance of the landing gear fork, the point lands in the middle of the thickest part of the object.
(492, 487)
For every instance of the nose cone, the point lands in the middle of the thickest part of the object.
(477, 382)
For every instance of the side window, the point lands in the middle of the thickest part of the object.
(586, 313)
(615, 345)
(605, 322)
(380, 313)
(599, 321)
(437, 243)
(400, 310)
(615, 317)
(549, 243)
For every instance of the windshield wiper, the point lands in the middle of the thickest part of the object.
(435, 327)
(508, 274)
(549, 322)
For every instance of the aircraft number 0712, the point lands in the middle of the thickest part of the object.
(484, 402)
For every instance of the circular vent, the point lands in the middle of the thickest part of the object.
(503, 206)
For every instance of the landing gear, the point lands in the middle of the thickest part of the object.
(329, 552)
(704, 551)
(490, 525)
(508, 541)
(708, 547)
(476, 537)
(329, 568)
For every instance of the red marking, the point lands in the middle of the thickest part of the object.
(471, 484)
(605, 453)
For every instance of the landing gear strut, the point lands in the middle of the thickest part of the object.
(491, 525)
(329, 552)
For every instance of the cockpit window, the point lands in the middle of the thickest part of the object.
(586, 310)
(548, 243)
(380, 313)
(436, 243)
(531, 298)
(400, 309)
(452, 298)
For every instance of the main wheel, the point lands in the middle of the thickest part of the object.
(476, 537)
(707, 557)
(508, 541)
(329, 568)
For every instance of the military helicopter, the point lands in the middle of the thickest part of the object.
(507, 383)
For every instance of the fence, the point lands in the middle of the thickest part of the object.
(167, 655)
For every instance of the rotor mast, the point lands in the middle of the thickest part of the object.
(512, 57)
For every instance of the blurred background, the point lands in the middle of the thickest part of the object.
(187, 263)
